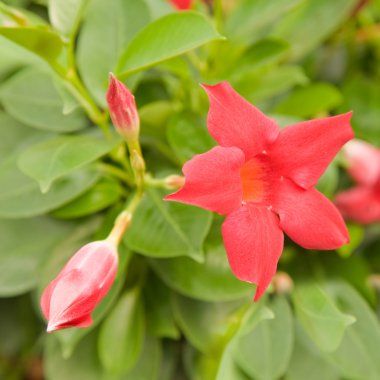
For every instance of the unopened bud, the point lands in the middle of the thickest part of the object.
(72, 296)
(174, 181)
(282, 283)
(123, 110)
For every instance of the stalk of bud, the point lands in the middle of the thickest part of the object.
(123, 110)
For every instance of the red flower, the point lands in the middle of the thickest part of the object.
(71, 297)
(362, 202)
(263, 179)
(182, 4)
(123, 110)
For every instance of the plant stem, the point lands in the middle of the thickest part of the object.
(115, 172)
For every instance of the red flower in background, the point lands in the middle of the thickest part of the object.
(182, 4)
(71, 297)
(262, 179)
(362, 202)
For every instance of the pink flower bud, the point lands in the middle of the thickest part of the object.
(181, 4)
(123, 109)
(71, 297)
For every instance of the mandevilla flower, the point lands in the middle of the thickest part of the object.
(123, 110)
(262, 179)
(71, 297)
(362, 202)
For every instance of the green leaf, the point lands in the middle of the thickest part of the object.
(310, 23)
(24, 244)
(211, 280)
(159, 314)
(46, 44)
(82, 365)
(204, 324)
(107, 29)
(20, 196)
(320, 316)
(249, 17)
(228, 369)
(105, 193)
(309, 101)
(167, 229)
(258, 86)
(65, 15)
(188, 137)
(31, 98)
(52, 159)
(265, 352)
(119, 348)
(307, 361)
(165, 38)
(329, 181)
(357, 234)
(357, 356)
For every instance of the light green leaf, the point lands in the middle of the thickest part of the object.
(46, 44)
(329, 181)
(167, 37)
(24, 244)
(65, 15)
(159, 314)
(20, 196)
(320, 316)
(167, 229)
(31, 98)
(228, 369)
(357, 357)
(310, 100)
(211, 280)
(265, 352)
(204, 324)
(52, 159)
(188, 137)
(307, 361)
(104, 193)
(107, 29)
(312, 22)
(119, 348)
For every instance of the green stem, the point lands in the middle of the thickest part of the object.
(115, 172)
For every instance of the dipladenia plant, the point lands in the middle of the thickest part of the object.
(263, 180)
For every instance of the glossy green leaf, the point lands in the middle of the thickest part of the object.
(310, 100)
(228, 368)
(159, 314)
(65, 15)
(102, 195)
(265, 352)
(52, 159)
(307, 361)
(320, 316)
(119, 348)
(24, 244)
(46, 44)
(167, 37)
(187, 137)
(204, 324)
(107, 29)
(167, 229)
(312, 22)
(20, 196)
(357, 356)
(31, 98)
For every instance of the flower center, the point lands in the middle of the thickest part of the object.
(252, 180)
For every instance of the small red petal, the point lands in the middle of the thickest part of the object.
(254, 244)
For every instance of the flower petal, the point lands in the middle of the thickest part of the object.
(303, 151)
(254, 244)
(359, 204)
(363, 162)
(233, 121)
(213, 180)
(308, 217)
